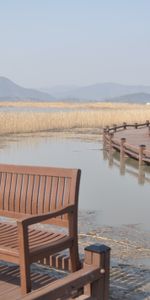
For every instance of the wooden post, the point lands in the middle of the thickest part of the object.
(110, 150)
(124, 125)
(107, 128)
(104, 137)
(122, 156)
(122, 150)
(98, 255)
(114, 127)
(149, 130)
(104, 143)
(136, 125)
(141, 153)
(111, 135)
(147, 123)
(141, 175)
(122, 166)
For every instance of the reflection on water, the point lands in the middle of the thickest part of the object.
(116, 199)
(127, 165)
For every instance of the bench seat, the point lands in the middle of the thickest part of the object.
(39, 240)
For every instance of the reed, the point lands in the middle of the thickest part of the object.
(21, 122)
(71, 105)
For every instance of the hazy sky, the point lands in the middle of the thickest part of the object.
(75, 42)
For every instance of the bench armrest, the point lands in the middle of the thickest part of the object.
(45, 216)
(64, 288)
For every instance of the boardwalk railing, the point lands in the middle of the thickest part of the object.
(110, 141)
(124, 125)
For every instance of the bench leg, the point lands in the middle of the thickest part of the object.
(74, 256)
(24, 259)
(25, 278)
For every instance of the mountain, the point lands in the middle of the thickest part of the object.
(60, 90)
(113, 92)
(9, 91)
(98, 92)
(132, 98)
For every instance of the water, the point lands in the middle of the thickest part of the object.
(39, 109)
(33, 109)
(117, 200)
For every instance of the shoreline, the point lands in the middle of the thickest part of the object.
(129, 256)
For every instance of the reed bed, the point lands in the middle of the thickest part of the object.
(23, 122)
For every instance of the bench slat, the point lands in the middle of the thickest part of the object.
(2, 190)
(7, 191)
(41, 195)
(18, 192)
(35, 194)
(30, 194)
(53, 197)
(12, 192)
(47, 194)
(24, 189)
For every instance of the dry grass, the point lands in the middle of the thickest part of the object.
(95, 115)
(70, 105)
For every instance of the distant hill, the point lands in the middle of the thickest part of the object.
(60, 90)
(132, 98)
(9, 91)
(113, 92)
(99, 92)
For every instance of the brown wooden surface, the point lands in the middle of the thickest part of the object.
(32, 195)
(10, 284)
(134, 138)
(46, 285)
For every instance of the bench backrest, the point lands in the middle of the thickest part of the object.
(34, 190)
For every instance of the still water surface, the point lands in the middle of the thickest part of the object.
(117, 200)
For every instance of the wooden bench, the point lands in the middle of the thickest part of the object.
(93, 278)
(30, 195)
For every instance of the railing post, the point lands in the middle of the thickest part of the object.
(125, 125)
(107, 128)
(122, 156)
(98, 255)
(141, 175)
(110, 149)
(114, 127)
(147, 123)
(104, 136)
(141, 153)
(136, 125)
(111, 135)
(122, 148)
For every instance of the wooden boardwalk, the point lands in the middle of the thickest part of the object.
(135, 137)
(129, 140)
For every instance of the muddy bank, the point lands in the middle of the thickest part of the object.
(130, 255)
(129, 243)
